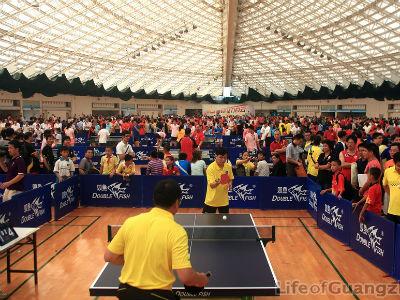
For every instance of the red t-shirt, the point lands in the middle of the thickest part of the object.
(337, 183)
(170, 172)
(373, 164)
(349, 159)
(330, 135)
(275, 146)
(187, 147)
(198, 137)
(374, 198)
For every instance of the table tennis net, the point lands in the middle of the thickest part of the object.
(264, 233)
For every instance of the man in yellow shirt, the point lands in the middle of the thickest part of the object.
(219, 181)
(312, 158)
(150, 246)
(108, 162)
(127, 167)
(391, 184)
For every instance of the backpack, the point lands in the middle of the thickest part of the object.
(349, 191)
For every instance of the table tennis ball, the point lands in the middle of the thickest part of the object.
(224, 218)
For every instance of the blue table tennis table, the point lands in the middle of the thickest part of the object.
(232, 250)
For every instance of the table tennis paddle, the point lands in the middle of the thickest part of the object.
(195, 290)
(224, 178)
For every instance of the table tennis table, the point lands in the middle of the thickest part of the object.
(230, 249)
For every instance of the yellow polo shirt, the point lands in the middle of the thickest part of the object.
(218, 196)
(313, 153)
(108, 164)
(126, 170)
(153, 245)
(392, 179)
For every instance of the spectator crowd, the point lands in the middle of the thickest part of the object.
(354, 158)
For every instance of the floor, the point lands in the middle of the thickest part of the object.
(308, 263)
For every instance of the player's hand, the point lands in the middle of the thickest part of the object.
(202, 280)
(4, 185)
(112, 174)
(217, 181)
(323, 192)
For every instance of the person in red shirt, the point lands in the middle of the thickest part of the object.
(373, 197)
(338, 180)
(330, 134)
(278, 146)
(170, 169)
(198, 136)
(187, 145)
(349, 156)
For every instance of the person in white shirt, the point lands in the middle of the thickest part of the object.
(103, 135)
(262, 166)
(64, 167)
(265, 133)
(174, 133)
(124, 147)
(16, 126)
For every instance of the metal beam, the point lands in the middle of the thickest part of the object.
(229, 33)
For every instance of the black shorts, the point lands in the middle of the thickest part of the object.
(393, 218)
(128, 292)
(207, 209)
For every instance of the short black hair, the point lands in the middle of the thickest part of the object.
(16, 144)
(220, 151)
(298, 136)
(396, 157)
(317, 140)
(128, 157)
(154, 154)
(27, 135)
(375, 172)
(166, 193)
(125, 132)
(160, 155)
(89, 149)
(395, 144)
(341, 134)
(182, 156)
(64, 148)
(375, 135)
(337, 161)
(352, 137)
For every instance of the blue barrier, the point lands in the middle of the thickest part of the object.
(373, 240)
(397, 254)
(334, 217)
(28, 209)
(65, 195)
(284, 193)
(246, 192)
(101, 190)
(193, 189)
(33, 181)
(313, 197)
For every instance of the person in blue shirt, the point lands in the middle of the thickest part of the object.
(183, 164)
(218, 135)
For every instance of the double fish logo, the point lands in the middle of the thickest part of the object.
(336, 216)
(53, 190)
(298, 193)
(244, 192)
(5, 218)
(313, 200)
(140, 155)
(36, 206)
(80, 140)
(116, 189)
(185, 188)
(374, 238)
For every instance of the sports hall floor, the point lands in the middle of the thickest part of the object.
(70, 254)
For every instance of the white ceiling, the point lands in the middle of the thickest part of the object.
(280, 45)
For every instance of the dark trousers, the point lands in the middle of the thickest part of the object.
(212, 210)
(393, 218)
(128, 292)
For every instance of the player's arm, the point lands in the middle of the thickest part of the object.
(113, 258)
(344, 164)
(190, 277)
